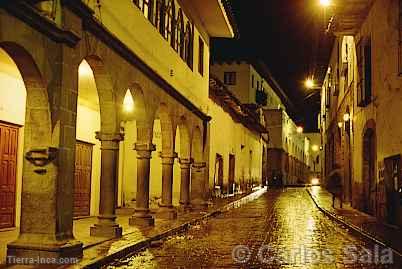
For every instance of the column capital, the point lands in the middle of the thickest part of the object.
(199, 164)
(185, 163)
(144, 150)
(109, 141)
(168, 158)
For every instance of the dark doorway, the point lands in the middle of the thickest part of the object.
(393, 184)
(82, 181)
(369, 159)
(232, 169)
(219, 170)
(8, 171)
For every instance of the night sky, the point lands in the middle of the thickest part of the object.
(289, 37)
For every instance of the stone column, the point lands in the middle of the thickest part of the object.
(167, 210)
(198, 185)
(185, 166)
(107, 226)
(142, 216)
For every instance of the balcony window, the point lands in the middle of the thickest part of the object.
(179, 46)
(364, 90)
(229, 78)
(169, 23)
(200, 56)
(179, 32)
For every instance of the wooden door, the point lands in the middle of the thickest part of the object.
(8, 171)
(231, 173)
(82, 179)
(219, 160)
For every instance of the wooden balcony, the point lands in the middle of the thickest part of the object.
(349, 16)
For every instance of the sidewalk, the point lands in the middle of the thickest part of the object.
(362, 223)
(99, 251)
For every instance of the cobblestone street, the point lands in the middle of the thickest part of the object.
(281, 229)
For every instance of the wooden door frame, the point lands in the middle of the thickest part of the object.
(18, 128)
(90, 177)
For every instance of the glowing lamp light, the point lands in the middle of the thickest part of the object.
(315, 181)
(309, 83)
(128, 102)
(346, 117)
(325, 3)
(340, 124)
(299, 129)
(315, 148)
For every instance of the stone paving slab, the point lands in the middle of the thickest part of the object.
(361, 222)
(99, 250)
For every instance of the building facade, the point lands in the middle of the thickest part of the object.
(359, 98)
(287, 150)
(104, 104)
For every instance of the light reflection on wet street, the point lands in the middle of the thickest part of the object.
(281, 229)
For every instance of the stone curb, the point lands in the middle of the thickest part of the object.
(353, 227)
(131, 249)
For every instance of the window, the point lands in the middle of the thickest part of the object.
(229, 78)
(252, 81)
(179, 46)
(364, 90)
(200, 56)
(146, 6)
(162, 14)
(400, 39)
(169, 23)
(188, 47)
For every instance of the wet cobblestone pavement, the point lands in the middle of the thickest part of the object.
(281, 229)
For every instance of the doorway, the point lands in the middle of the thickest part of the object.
(8, 171)
(369, 186)
(219, 170)
(82, 179)
(232, 169)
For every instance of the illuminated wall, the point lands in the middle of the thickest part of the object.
(137, 32)
(12, 110)
(88, 123)
(229, 137)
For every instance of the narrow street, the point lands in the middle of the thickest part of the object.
(281, 229)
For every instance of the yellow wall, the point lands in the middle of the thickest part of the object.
(227, 137)
(128, 23)
(241, 88)
(88, 122)
(12, 110)
(244, 89)
(128, 167)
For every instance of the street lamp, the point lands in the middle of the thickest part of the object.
(309, 83)
(346, 117)
(325, 3)
(128, 102)
(299, 129)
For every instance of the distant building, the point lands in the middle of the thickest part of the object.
(288, 151)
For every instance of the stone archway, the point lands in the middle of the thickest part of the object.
(183, 147)
(42, 223)
(198, 170)
(109, 137)
(368, 174)
(144, 116)
(168, 156)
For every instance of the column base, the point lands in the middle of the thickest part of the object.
(199, 204)
(141, 219)
(185, 207)
(26, 251)
(101, 230)
(167, 213)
